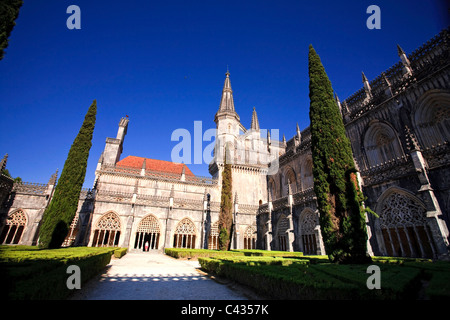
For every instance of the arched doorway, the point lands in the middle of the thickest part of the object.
(148, 234)
(13, 230)
(107, 231)
(185, 234)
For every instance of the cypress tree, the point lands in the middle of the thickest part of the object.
(63, 206)
(226, 214)
(9, 11)
(340, 202)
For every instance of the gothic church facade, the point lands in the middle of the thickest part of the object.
(399, 128)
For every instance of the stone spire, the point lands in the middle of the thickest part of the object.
(255, 123)
(387, 85)
(226, 107)
(53, 178)
(3, 163)
(338, 102)
(227, 103)
(365, 82)
(366, 86)
(405, 61)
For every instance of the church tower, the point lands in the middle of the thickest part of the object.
(227, 122)
(114, 147)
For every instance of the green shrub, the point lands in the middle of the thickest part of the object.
(180, 253)
(31, 273)
(119, 253)
(296, 281)
(196, 253)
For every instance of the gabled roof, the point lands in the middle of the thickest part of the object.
(155, 165)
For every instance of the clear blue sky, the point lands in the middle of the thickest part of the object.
(163, 63)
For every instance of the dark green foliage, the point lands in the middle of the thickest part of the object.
(181, 253)
(223, 239)
(305, 278)
(29, 273)
(9, 11)
(226, 207)
(340, 202)
(62, 209)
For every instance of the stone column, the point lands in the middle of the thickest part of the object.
(236, 239)
(290, 231)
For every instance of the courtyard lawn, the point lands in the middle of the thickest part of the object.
(287, 275)
(27, 272)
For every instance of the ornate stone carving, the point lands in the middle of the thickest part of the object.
(401, 210)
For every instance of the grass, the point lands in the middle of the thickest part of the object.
(28, 272)
(287, 275)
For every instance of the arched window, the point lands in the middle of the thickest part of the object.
(148, 234)
(381, 144)
(250, 238)
(107, 231)
(185, 234)
(403, 225)
(308, 174)
(432, 119)
(272, 189)
(282, 233)
(213, 237)
(291, 180)
(308, 222)
(13, 229)
(72, 234)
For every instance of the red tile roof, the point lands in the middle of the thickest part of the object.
(155, 165)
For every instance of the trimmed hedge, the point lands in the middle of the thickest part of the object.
(316, 278)
(28, 273)
(119, 253)
(292, 282)
(297, 279)
(197, 253)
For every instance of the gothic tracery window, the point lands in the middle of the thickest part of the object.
(13, 229)
(250, 238)
(282, 233)
(107, 231)
(308, 223)
(404, 228)
(381, 144)
(432, 119)
(185, 234)
(291, 180)
(308, 174)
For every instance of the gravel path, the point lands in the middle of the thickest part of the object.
(154, 276)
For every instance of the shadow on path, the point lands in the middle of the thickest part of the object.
(154, 276)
